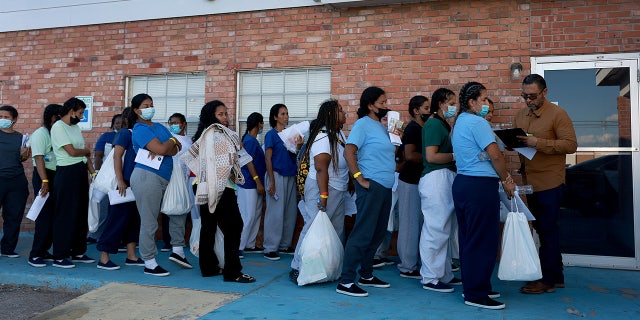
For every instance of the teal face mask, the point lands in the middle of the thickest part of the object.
(451, 112)
(175, 128)
(147, 113)
(5, 123)
(483, 110)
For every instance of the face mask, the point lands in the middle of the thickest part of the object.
(483, 110)
(147, 113)
(260, 131)
(451, 112)
(74, 121)
(381, 113)
(175, 128)
(115, 130)
(424, 117)
(5, 123)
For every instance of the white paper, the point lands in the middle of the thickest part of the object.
(116, 198)
(393, 121)
(36, 206)
(290, 134)
(527, 152)
(143, 158)
(244, 157)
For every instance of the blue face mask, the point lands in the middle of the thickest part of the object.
(115, 130)
(147, 113)
(451, 112)
(260, 131)
(175, 128)
(483, 110)
(5, 123)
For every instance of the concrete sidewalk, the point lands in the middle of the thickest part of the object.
(590, 293)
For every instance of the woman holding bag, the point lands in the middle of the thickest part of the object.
(149, 185)
(328, 177)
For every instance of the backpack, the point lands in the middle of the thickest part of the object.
(304, 164)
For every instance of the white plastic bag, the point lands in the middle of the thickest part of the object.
(519, 260)
(95, 196)
(321, 252)
(106, 179)
(290, 134)
(177, 198)
(194, 240)
(218, 247)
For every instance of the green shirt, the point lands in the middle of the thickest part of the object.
(434, 133)
(62, 135)
(41, 146)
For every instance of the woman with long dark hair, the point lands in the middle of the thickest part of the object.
(326, 184)
(44, 173)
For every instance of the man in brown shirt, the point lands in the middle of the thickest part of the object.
(550, 131)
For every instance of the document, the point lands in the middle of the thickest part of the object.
(393, 123)
(143, 158)
(509, 138)
(36, 206)
(116, 198)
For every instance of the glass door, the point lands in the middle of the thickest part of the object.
(598, 223)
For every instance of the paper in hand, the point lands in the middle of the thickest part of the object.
(142, 157)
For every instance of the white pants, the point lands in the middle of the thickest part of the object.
(250, 205)
(436, 202)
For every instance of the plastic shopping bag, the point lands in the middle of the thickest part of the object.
(321, 252)
(519, 260)
(194, 240)
(218, 247)
(95, 196)
(177, 198)
(105, 180)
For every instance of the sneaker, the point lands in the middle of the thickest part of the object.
(122, 249)
(293, 275)
(109, 265)
(241, 254)
(253, 250)
(11, 254)
(272, 256)
(166, 248)
(388, 262)
(82, 258)
(353, 291)
(37, 262)
(91, 240)
(455, 267)
(287, 251)
(492, 295)
(455, 282)
(415, 274)
(158, 271)
(373, 282)
(139, 262)
(64, 263)
(438, 286)
(486, 303)
(180, 261)
(48, 257)
(378, 263)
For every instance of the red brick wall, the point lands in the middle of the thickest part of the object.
(405, 49)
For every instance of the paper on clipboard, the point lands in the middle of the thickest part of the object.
(143, 158)
(527, 152)
(36, 206)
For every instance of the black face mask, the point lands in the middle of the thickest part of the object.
(74, 121)
(381, 113)
(424, 117)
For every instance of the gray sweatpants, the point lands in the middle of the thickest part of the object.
(280, 215)
(409, 224)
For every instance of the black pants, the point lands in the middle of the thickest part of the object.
(43, 236)
(14, 192)
(227, 217)
(121, 226)
(70, 224)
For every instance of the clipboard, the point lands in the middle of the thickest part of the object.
(508, 136)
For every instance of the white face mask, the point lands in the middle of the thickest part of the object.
(5, 123)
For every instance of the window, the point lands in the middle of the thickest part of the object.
(171, 93)
(301, 90)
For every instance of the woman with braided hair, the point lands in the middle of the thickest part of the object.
(326, 183)
(475, 196)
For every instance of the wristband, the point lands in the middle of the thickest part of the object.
(357, 174)
(45, 180)
(324, 196)
(94, 174)
(255, 177)
(174, 140)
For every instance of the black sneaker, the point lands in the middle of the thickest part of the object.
(455, 267)
(486, 303)
(455, 282)
(438, 287)
(64, 263)
(492, 294)
(272, 256)
(37, 262)
(373, 282)
(293, 275)
(139, 262)
(180, 261)
(287, 251)
(48, 257)
(166, 248)
(158, 271)
(253, 250)
(415, 274)
(353, 291)
(122, 248)
(91, 240)
(11, 254)
(240, 254)
(378, 263)
(82, 258)
(109, 265)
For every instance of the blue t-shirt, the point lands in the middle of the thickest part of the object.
(471, 135)
(376, 154)
(283, 161)
(105, 138)
(123, 139)
(142, 135)
(252, 146)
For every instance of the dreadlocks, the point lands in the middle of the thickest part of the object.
(328, 118)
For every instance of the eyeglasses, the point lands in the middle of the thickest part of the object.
(530, 96)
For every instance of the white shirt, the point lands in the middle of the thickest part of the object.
(338, 179)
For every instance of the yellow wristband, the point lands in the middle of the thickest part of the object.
(255, 177)
(45, 180)
(93, 174)
(324, 196)
(174, 140)
(357, 174)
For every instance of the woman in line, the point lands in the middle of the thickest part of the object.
(435, 194)
(251, 193)
(370, 158)
(71, 190)
(326, 184)
(281, 213)
(123, 220)
(44, 163)
(409, 215)
(149, 184)
(475, 196)
(214, 140)
(14, 189)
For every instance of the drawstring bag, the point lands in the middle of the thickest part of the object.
(321, 252)
(519, 260)
(177, 198)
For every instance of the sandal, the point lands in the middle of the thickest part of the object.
(244, 278)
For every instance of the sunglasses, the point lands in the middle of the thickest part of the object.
(530, 96)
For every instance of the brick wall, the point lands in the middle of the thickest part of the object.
(405, 49)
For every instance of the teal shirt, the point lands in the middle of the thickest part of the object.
(62, 135)
(41, 146)
(435, 133)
